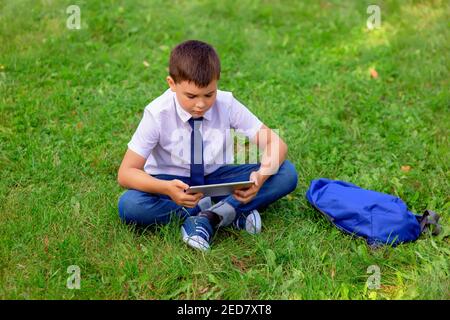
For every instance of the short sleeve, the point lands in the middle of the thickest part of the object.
(146, 136)
(243, 120)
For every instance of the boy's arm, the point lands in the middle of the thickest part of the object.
(132, 176)
(274, 153)
(274, 148)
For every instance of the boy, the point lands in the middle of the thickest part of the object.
(181, 141)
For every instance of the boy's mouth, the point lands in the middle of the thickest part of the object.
(198, 113)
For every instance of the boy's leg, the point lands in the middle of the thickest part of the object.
(198, 230)
(146, 209)
(276, 187)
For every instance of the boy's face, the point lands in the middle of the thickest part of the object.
(193, 99)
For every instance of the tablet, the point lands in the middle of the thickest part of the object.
(220, 189)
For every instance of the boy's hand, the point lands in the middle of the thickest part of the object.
(246, 195)
(176, 193)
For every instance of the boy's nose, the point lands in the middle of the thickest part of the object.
(200, 105)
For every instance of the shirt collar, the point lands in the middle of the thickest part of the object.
(184, 115)
(208, 114)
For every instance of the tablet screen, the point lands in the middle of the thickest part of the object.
(221, 189)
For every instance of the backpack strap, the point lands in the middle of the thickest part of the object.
(429, 221)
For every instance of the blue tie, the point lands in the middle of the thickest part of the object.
(197, 169)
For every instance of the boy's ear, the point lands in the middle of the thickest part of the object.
(171, 83)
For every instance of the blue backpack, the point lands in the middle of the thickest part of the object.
(377, 217)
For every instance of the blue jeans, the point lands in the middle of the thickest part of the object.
(146, 209)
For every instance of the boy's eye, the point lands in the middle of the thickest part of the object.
(207, 95)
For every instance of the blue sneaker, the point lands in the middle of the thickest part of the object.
(249, 221)
(197, 232)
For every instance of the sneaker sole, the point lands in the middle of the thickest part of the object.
(253, 228)
(195, 242)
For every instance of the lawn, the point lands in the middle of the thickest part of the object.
(366, 106)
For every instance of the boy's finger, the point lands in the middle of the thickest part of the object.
(193, 198)
(247, 193)
(192, 203)
(236, 194)
(242, 199)
(249, 196)
(197, 195)
(242, 196)
(190, 197)
(255, 182)
(181, 184)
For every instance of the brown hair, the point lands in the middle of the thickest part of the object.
(194, 61)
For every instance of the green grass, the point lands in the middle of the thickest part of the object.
(71, 99)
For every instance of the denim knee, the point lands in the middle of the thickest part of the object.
(125, 204)
(289, 176)
(129, 207)
(145, 209)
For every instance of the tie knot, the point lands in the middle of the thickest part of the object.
(192, 121)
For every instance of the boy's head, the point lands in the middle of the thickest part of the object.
(194, 69)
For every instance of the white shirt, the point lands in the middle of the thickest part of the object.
(163, 136)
